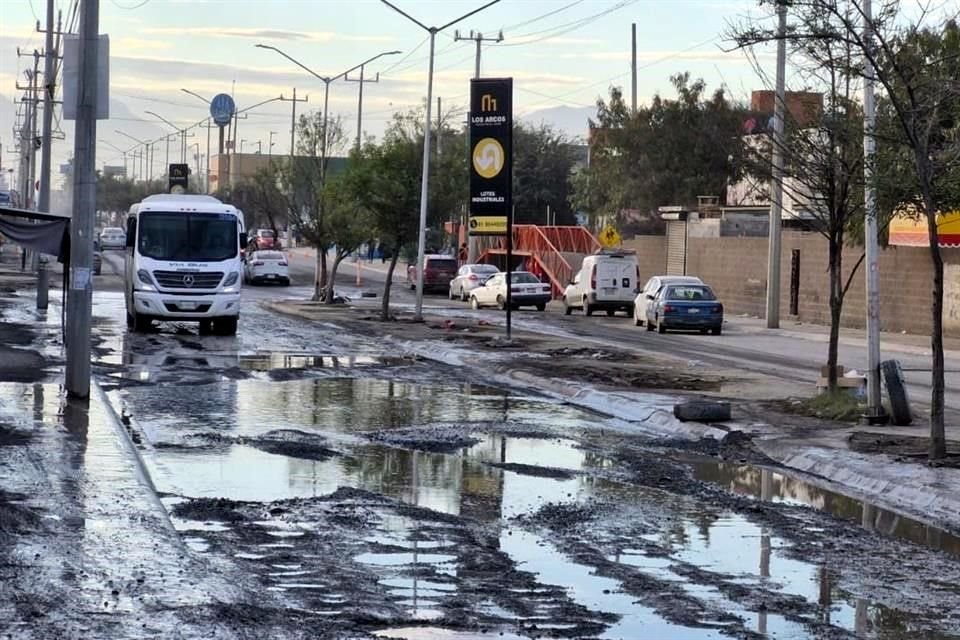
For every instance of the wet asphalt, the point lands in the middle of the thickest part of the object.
(321, 484)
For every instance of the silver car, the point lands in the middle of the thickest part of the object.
(113, 238)
(469, 277)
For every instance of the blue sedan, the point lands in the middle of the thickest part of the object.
(686, 306)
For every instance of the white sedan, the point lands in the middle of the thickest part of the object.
(113, 238)
(266, 266)
(526, 290)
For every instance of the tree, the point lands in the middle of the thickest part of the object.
(385, 181)
(916, 69)
(260, 198)
(348, 225)
(822, 152)
(304, 180)
(666, 153)
(543, 161)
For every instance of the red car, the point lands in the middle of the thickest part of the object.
(263, 239)
(438, 271)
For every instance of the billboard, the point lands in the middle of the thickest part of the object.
(491, 156)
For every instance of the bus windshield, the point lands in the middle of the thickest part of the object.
(198, 237)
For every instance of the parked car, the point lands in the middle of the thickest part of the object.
(685, 306)
(526, 290)
(438, 271)
(469, 277)
(113, 238)
(266, 266)
(262, 239)
(606, 280)
(650, 290)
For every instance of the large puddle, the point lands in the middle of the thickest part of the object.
(769, 485)
(206, 441)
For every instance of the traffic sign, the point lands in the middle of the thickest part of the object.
(609, 237)
(178, 177)
(222, 108)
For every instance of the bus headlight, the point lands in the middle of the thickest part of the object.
(230, 284)
(146, 282)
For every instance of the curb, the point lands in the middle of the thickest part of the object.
(877, 480)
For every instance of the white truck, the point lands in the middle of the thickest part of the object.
(184, 262)
(607, 281)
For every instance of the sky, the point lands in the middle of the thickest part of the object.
(559, 53)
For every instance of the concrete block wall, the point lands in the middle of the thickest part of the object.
(737, 269)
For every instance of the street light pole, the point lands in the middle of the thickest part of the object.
(776, 187)
(326, 80)
(182, 132)
(425, 178)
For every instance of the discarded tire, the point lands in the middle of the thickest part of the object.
(897, 392)
(702, 411)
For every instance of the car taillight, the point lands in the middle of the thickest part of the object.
(472, 277)
(718, 308)
(593, 277)
(667, 308)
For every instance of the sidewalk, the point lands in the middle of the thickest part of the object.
(889, 341)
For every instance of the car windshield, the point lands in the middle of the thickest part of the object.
(689, 292)
(202, 237)
(523, 278)
(266, 233)
(485, 269)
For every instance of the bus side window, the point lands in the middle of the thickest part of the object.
(131, 231)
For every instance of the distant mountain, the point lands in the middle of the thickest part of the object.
(570, 120)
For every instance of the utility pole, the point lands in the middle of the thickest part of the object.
(270, 143)
(361, 80)
(84, 205)
(477, 37)
(293, 122)
(49, 86)
(875, 411)
(439, 125)
(633, 67)
(776, 186)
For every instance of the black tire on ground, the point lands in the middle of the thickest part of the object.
(542, 307)
(587, 309)
(463, 295)
(649, 325)
(897, 392)
(449, 294)
(226, 326)
(611, 312)
(474, 303)
(660, 327)
(286, 282)
(702, 411)
(140, 323)
(716, 331)
(501, 303)
(206, 327)
(567, 309)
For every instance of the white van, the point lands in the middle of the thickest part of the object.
(606, 281)
(184, 262)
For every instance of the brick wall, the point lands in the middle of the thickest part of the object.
(651, 254)
(737, 269)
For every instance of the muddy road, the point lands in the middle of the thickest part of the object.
(325, 484)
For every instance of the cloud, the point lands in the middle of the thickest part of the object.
(261, 34)
(123, 44)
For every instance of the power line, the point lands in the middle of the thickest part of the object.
(566, 28)
(134, 7)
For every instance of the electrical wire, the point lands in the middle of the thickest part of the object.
(566, 28)
(134, 7)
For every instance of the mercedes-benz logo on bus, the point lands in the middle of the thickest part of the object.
(188, 280)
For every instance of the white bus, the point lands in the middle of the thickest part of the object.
(184, 262)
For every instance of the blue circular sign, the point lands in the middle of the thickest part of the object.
(222, 108)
